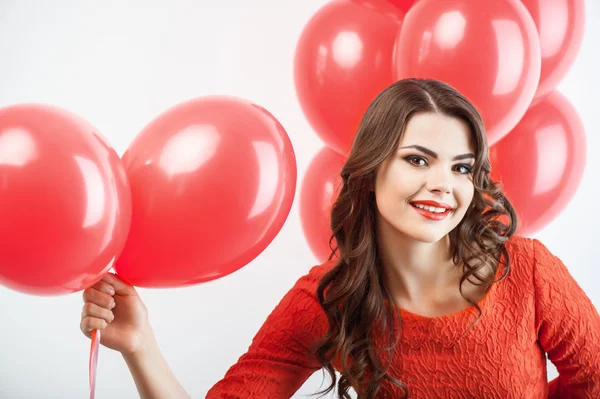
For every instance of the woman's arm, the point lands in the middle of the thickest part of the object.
(278, 361)
(275, 366)
(568, 327)
(151, 373)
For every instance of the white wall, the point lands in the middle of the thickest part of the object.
(118, 64)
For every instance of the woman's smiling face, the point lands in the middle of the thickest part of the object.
(432, 167)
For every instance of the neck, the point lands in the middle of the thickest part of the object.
(416, 270)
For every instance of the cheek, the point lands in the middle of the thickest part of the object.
(465, 193)
(395, 192)
(400, 179)
(391, 194)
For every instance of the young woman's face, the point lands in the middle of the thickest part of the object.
(426, 187)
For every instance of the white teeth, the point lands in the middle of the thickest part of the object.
(430, 208)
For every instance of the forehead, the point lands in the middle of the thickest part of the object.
(440, 133)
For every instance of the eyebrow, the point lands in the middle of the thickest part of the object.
(435, 155)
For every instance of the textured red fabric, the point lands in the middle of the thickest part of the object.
(538, 309)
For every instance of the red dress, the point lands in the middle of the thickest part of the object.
(537, 309)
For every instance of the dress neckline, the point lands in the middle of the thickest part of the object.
(407, 315)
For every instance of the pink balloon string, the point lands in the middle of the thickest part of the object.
(94, 361)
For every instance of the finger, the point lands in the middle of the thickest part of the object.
(103, 286)
(99, 298)
(92, 310)
(92, 323)
(120, 286)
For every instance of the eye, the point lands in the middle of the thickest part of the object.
(416, 160)
(463, 168)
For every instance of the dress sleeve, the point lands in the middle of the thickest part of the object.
(277, 362)
(568, 327)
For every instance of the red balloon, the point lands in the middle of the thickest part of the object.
(403, 5)
(319, 190)
(488, 50)
(560, 24)
(65, 204)
(212, 181)
(343, 60)
(541, 162)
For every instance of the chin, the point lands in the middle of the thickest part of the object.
(429, 237)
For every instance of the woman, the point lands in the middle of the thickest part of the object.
(428, 293)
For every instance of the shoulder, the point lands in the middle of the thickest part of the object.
(523, 250)
(519, 245)
(521, 256)
(299, 312)
(530, 249)
(529, 257)
(310, 281)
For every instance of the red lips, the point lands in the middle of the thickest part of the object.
(432, 215)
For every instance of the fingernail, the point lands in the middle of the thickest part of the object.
(111, 291)
(113, 304)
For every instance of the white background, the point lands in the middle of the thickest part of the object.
(118, 64)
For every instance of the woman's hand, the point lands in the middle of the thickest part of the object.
(115, 308)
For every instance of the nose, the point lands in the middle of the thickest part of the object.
(439, 181)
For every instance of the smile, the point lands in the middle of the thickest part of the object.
(431, 212)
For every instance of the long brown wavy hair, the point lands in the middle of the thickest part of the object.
(353, 294)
